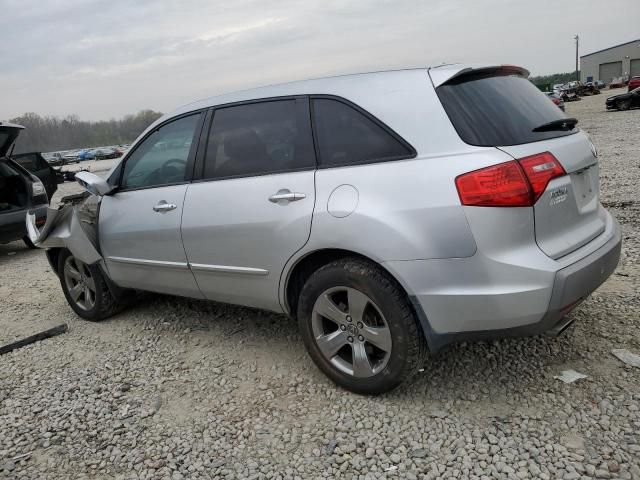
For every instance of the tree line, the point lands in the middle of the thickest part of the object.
(553, 78)
(49, 134)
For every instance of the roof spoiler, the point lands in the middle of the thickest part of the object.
(446, 73)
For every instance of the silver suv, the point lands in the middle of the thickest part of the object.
(391, 213)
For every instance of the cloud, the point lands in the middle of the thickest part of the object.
(104, 58)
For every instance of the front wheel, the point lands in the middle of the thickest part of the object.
(624, 105)
(359, 328)
(85, 288)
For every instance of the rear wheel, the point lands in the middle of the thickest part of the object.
(85, 288)
(624, 105)
(359, 328)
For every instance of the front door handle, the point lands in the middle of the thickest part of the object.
(284, 196)
(163, 206)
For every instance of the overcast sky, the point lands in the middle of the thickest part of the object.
(101, 59)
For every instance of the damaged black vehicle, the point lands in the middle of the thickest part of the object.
(20, 191)
(624, 101)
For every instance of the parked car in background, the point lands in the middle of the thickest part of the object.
(634, 82)
(121, 150)
(86, 155)
(464, 205)
(104, 153)
(35, 163)
(20, 191)
(556, 99)
(71, 157)
(617, 82)
(54, 159)
(600, 84)
(624, 101)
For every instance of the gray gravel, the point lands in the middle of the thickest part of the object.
(175, 389)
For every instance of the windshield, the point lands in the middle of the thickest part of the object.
(498, 109)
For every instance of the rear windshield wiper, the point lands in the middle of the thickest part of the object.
(560, 124)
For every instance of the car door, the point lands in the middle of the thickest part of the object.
(139, 224)
(251, 208)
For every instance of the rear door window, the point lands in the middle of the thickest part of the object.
(347, 136)
(29, 162)
(259, 138)
(498, 109)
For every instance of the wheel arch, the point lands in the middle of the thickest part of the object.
(52, 256)
(303, 268)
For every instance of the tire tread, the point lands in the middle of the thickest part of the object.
(417, 350)
(106, 304)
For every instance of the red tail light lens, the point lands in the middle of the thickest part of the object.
(540, 169)
(502, 185)
(510, 184)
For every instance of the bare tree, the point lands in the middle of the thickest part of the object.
(46, 134)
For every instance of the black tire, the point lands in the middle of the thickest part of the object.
(624, 105)
(104, 303)
(408, 350)
(27, 241)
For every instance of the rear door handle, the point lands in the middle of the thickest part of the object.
(163, 206)
(284, 196)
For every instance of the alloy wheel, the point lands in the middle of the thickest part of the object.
(80, 283)
(351, 332)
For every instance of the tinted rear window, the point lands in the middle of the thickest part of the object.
(27, 161)
(348, 137)
(260, 138)
(494, 110)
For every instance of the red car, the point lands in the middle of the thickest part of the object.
(634, 82)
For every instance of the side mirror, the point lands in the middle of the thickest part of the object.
(93, 184)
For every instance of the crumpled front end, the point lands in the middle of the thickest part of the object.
(72, 226)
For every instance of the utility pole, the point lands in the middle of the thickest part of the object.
(577, 39)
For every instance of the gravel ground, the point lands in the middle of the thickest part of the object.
(174, 388)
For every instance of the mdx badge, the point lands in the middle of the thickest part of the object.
(558, 195)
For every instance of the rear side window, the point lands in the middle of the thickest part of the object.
(347, 137)
(28, 161)
(498, 110)
(259, 138)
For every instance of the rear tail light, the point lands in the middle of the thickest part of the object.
(540, 169)
(518, 183)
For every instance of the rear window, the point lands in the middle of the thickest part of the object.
(348, 137)
(496, 109)
(27, 161)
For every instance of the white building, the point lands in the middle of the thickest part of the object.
(613, 62)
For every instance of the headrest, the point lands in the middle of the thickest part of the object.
(244, 144)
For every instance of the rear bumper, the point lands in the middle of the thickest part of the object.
(13, 226)
(493, 300)
(575, 282)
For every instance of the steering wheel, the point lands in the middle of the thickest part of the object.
(173, 167)
(168, 170)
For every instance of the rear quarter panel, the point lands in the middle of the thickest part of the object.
(406, 209)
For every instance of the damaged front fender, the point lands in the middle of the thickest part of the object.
(72, 226)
